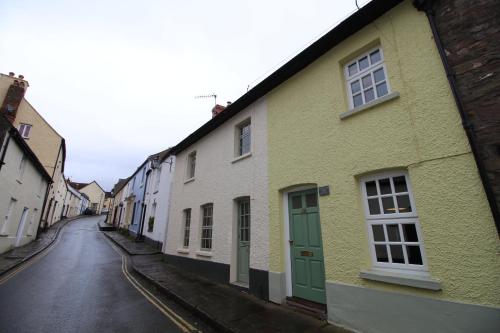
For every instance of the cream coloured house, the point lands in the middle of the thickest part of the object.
(48, 145)
(23, 188)
(95, 193)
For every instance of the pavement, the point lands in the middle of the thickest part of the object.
(78, 285)
(15, 257)
(129, 244)
(226, 308)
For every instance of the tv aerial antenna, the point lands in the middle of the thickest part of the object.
(214, 96)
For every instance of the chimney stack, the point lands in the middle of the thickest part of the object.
(217, 109)
(14, 96)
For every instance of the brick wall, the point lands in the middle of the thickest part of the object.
(470, 33)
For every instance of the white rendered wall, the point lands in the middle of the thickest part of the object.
(159, 193)
(28, 190)
(219, 179)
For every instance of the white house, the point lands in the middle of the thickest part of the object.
(23, 189)
(218, 220)
(157, 199)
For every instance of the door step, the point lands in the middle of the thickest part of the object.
(314, 309)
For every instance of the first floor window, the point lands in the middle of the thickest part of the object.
(191, 165)
(24, 130)
(206, 226)
(244, 138)
(187, 227)
(366, 78)
(393, 225)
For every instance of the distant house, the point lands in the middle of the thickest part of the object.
(23, 189)
(94, 192)
(117, 204)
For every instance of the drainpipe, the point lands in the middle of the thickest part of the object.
(4, 151)
(141, 226)
(426, 6)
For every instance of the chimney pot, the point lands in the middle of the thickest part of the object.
(12, 73)
(21, 76)
(229, 103)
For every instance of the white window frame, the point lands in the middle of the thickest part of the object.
(358, 76)
(186, 230)
(394, 218)
(25, 130)
(190, 166)
(207, 227)
(239, 137)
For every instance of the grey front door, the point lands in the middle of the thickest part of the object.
(243, 240)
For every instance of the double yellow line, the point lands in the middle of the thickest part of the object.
(31, 261)
(169, 313)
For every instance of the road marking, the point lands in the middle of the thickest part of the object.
(32, 260)
(168, 312)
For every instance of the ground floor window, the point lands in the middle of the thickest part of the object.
(392, 220)
(206, 227)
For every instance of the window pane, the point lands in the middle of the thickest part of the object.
(355, 87)
(404, 203)
(367, 81)
(352, 69)
(357, 100)
(378, 233)
(363, 63)
(393, 233)
(373, 206)
(414, 255)
(381, 253)
(400, 184)
(381, 89)
(369, 95)
(397, 254)
(379, 75)
(388, 204)
(311, 200)
(375, 56)
(385, 186)
(371, 188)
(410, 233)
(296, 202)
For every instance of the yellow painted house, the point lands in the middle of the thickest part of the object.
(376, 206)
(95, 193)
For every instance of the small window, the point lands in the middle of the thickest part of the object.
(187, 227)
(22, 166)
(206, 227)
(191, 165)
(393, 225)
(366, 78)
(24, 130)
(244, 138)
(244, 220)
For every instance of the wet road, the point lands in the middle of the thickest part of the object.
(78, 287)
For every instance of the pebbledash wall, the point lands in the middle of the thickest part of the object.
(220, 179)
(418, 131)
(23, 192)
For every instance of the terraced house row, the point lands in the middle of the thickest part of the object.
(361, 177)
(34, 193)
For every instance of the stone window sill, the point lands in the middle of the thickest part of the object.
(369, 105)
(401, 279)
(204, 254)
(242, 157)
(189, 180)
(184, 251)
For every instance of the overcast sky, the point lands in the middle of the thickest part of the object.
(117, 79)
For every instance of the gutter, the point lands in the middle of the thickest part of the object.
(426, 6)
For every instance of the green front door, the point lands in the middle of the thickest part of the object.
(243, 240)
(306, 248)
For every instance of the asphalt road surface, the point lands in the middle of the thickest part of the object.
(79, 286)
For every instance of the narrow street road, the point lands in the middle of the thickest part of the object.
(78, 286)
